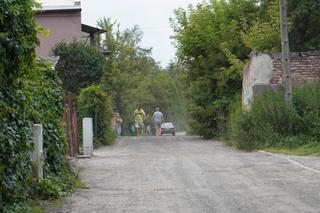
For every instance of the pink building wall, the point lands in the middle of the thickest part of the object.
(63, 25)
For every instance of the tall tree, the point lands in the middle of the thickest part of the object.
(304, 17)
(209, 45)
(264, 33)
(132, 76)
(79, 65)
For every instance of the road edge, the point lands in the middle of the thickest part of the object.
(291, 161)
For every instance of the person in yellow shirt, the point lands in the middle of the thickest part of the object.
(139, 117)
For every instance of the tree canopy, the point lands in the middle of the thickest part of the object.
(79, 65)
(133, 77)
(214, 40)
(209, 45)
(304, 17)
(18, 39)
(30, 93)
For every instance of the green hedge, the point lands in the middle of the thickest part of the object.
(15, 140)
(18, 39)
(269, 123)
(29, 93)
(94, 101)
(45, 96)
(79, 66)
(37, 99)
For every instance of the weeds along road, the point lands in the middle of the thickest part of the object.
(186, 174)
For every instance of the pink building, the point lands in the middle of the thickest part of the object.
(62, 19)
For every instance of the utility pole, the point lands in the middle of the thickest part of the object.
(285, 52)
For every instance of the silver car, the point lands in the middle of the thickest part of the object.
(167, 128)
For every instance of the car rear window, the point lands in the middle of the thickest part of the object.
(167, 125)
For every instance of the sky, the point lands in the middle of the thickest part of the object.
(152, 16)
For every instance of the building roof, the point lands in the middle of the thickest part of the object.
(90, 29)
(59, 5)
(53, 60)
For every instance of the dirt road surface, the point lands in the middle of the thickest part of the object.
(186, 174)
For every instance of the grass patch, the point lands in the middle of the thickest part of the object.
(51, 194)
(25, 207)
(46, 205)
(304, 150)
(48, 193)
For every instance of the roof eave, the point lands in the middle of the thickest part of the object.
(90, 29)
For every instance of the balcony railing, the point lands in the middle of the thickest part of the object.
(59, 4)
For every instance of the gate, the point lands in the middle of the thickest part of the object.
(71, 126)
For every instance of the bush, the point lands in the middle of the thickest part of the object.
(52, 187)
(18, 39)
(79, 65)
(21, 208)
(210, 121)
(29, 93)
(46, 189)
(307, 104)
(37, 99)
(269, 123)
(55, 186)
(15, 146)
(45, 97)
(93, 102)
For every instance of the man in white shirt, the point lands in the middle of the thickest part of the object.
(157, 119)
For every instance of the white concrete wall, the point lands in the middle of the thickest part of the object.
(87, 128)
(37, 154)
(259, 71)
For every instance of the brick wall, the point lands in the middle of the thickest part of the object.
(264, 72)
(305, 68)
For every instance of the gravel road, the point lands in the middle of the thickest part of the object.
(186, 174)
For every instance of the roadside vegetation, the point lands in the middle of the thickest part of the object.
(79, 65)
(270, 124)
(30, 93)
(308, 149)
(94, 102)
(132, 77)
(213, 42)
(81, 68)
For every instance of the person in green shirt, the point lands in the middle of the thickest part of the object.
(139, 117)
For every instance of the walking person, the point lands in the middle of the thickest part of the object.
(139, 117)
(147, 123)
(158, 119)
(114, 122)
(118, 124)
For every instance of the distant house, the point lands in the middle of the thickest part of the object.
(62, 19)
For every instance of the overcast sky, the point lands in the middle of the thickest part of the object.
(151, 15)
